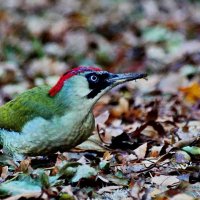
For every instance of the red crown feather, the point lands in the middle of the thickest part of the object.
(55, 89)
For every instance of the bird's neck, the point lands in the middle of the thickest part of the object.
(71, 100)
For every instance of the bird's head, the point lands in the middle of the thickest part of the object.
(83, 86)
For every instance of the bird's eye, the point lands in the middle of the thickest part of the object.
(94, 78)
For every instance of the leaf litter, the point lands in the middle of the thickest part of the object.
(146, 142)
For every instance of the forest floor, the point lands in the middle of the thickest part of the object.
(146, 144)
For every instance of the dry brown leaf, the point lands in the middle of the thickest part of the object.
(182, 157)
(155, 151)
(191, 92)
(182, 196)
(150, 132)
(122, 108)
(155, 192)
(4, 172)
(141, 151)
(24, 166)
(193, 130)
(92, 143)
(108, 189)
(103, 179)
(102, 118)
(68, 189)
(136, 190)
(131, 157)
(107, 155)
(171, 83)
(163, 180)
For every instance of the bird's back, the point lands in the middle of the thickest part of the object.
(25, 107)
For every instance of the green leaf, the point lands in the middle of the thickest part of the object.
(38, 47)
(44, 178)
(161, 34)
(84, 171)
(103, 58)
(117, 181)
(155, 34)
(104, 164)
(192, 150)
(47, 181)
(55, 181)
(69, 169)
(13, 52)
(119, 174)
(66, 197)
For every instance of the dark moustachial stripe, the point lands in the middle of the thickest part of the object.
(98, 85)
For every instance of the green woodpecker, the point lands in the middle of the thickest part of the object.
(46, 120)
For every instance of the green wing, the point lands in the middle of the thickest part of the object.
(30, 104)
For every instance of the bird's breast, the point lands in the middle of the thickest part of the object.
(40, 136)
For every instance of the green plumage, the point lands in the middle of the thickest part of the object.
(33, 103)
(36, 123)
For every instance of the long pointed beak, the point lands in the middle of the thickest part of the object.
(116, 79)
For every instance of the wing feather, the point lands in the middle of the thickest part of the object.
(30, 104)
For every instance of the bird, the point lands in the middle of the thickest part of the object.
(45, 120)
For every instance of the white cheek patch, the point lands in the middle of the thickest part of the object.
(82, 91)
(78, 86)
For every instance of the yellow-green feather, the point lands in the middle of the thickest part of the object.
(33, 103)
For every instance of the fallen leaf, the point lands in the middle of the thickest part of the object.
(182, 157)
(67, 189)
(155, 151)
(191, 92)
(116, 180)
(108, 189)
(171, 83)
(163, 180)
(193, 190)
(92, 143)
(193, 130)
(182, 197)
(4, 172)
(149, 131)
(122, 108)
(103, 179)
(131, 157)
(141, 151)
(107, 155)
(84, 171)
(192, 150)
(102, 118)
(119, 194)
